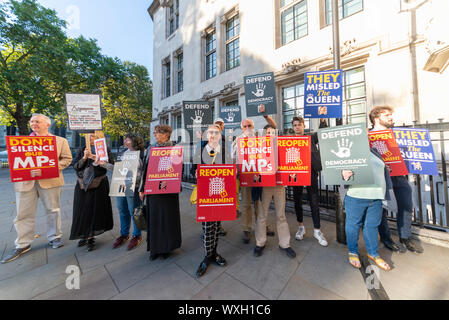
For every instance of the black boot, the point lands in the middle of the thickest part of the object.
(202, 267)
(90, 244)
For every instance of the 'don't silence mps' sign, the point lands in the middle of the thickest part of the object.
(345, 155)
(32, 158)
(323, 94)
(417, 150)
(216, 194)
(294, 161)
(260, 94)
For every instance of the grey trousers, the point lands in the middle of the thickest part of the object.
(24, 222)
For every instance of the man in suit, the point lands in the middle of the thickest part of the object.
(312, 190)
(49, 190)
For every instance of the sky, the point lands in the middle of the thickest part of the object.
(123, 28)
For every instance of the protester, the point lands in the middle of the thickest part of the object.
(251, 194)
(126, 205)
(381, 118)
(363, 206)
(211, 153)
(49, 190)
(226, 148)
(162, 210)
(277, 194)
(312, 190)
(92, 209)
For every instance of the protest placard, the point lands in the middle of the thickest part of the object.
(323, 94)
(84, 112)
(385, 143)
(32, 158)
(345, 155)
(123, 181)
(164, 170)
(231, 115)
(260, 94)
(417, 150)
(294, 156)
(197, 115)
(257, 161)
(101, 149)
(216, 193)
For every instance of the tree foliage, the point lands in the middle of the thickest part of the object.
(127, 102)
(39, 63)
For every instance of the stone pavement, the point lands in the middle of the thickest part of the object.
(316, 273)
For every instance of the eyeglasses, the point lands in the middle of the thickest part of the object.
(248, 126)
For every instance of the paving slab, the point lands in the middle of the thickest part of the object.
(328, 267)
(94, 285)
(225, 287)
(171, 283)
(267, 274)
(300, 289)
(34, 258)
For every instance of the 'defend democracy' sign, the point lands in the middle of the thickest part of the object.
(231, 115)
(323, 94)
(417, 151)
(260, 94)
(345, 155)
(197, 115)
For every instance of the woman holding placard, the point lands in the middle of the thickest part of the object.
(163, 213)
(92, 209)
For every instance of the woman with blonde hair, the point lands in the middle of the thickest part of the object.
(92, 209)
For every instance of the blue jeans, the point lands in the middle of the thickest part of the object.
(403, 194)
(365, 214)
(126, 206)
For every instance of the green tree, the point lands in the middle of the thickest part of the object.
(127, 102)
(39, 63)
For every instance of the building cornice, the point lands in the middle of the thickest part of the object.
(153, 8)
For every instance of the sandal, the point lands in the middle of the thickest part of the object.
(354, 260)
(380, 263)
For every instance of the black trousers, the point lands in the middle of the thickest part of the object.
(312, 193)
(210, 239)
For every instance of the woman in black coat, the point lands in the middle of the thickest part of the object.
(163, 214)
(92, 209)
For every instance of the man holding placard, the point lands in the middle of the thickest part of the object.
(49, 190)
(381, 118)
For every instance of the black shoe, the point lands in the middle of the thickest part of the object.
(258, 251)
(219, 260)
(90, 244)
(410, 246)
(164, 255)
(154, 256)
(389, 244)
(222, 232)
(82, 242)
(15, 254)
(289, 251)
(202, 267)
(246, 237)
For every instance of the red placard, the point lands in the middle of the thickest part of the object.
(294, 154)
(216, 193)
(101, 150)
(164, 170)
(257, 161)
(32, 158)
(385, 143)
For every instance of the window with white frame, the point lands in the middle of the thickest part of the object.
(346, 8)
(166, 74)
(233, 42)
(172, 17)
(211, 55)
(293, 20)
(179, 71)
(293, 105)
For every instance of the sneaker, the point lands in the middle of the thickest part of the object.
(246, 237)
(135, 241)
(289, 251)
(300, 234)
(120, 241)
(15, 254)
(317, 234)
(411, 246)
(258, 251)
(57, 243)
(390, 245)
